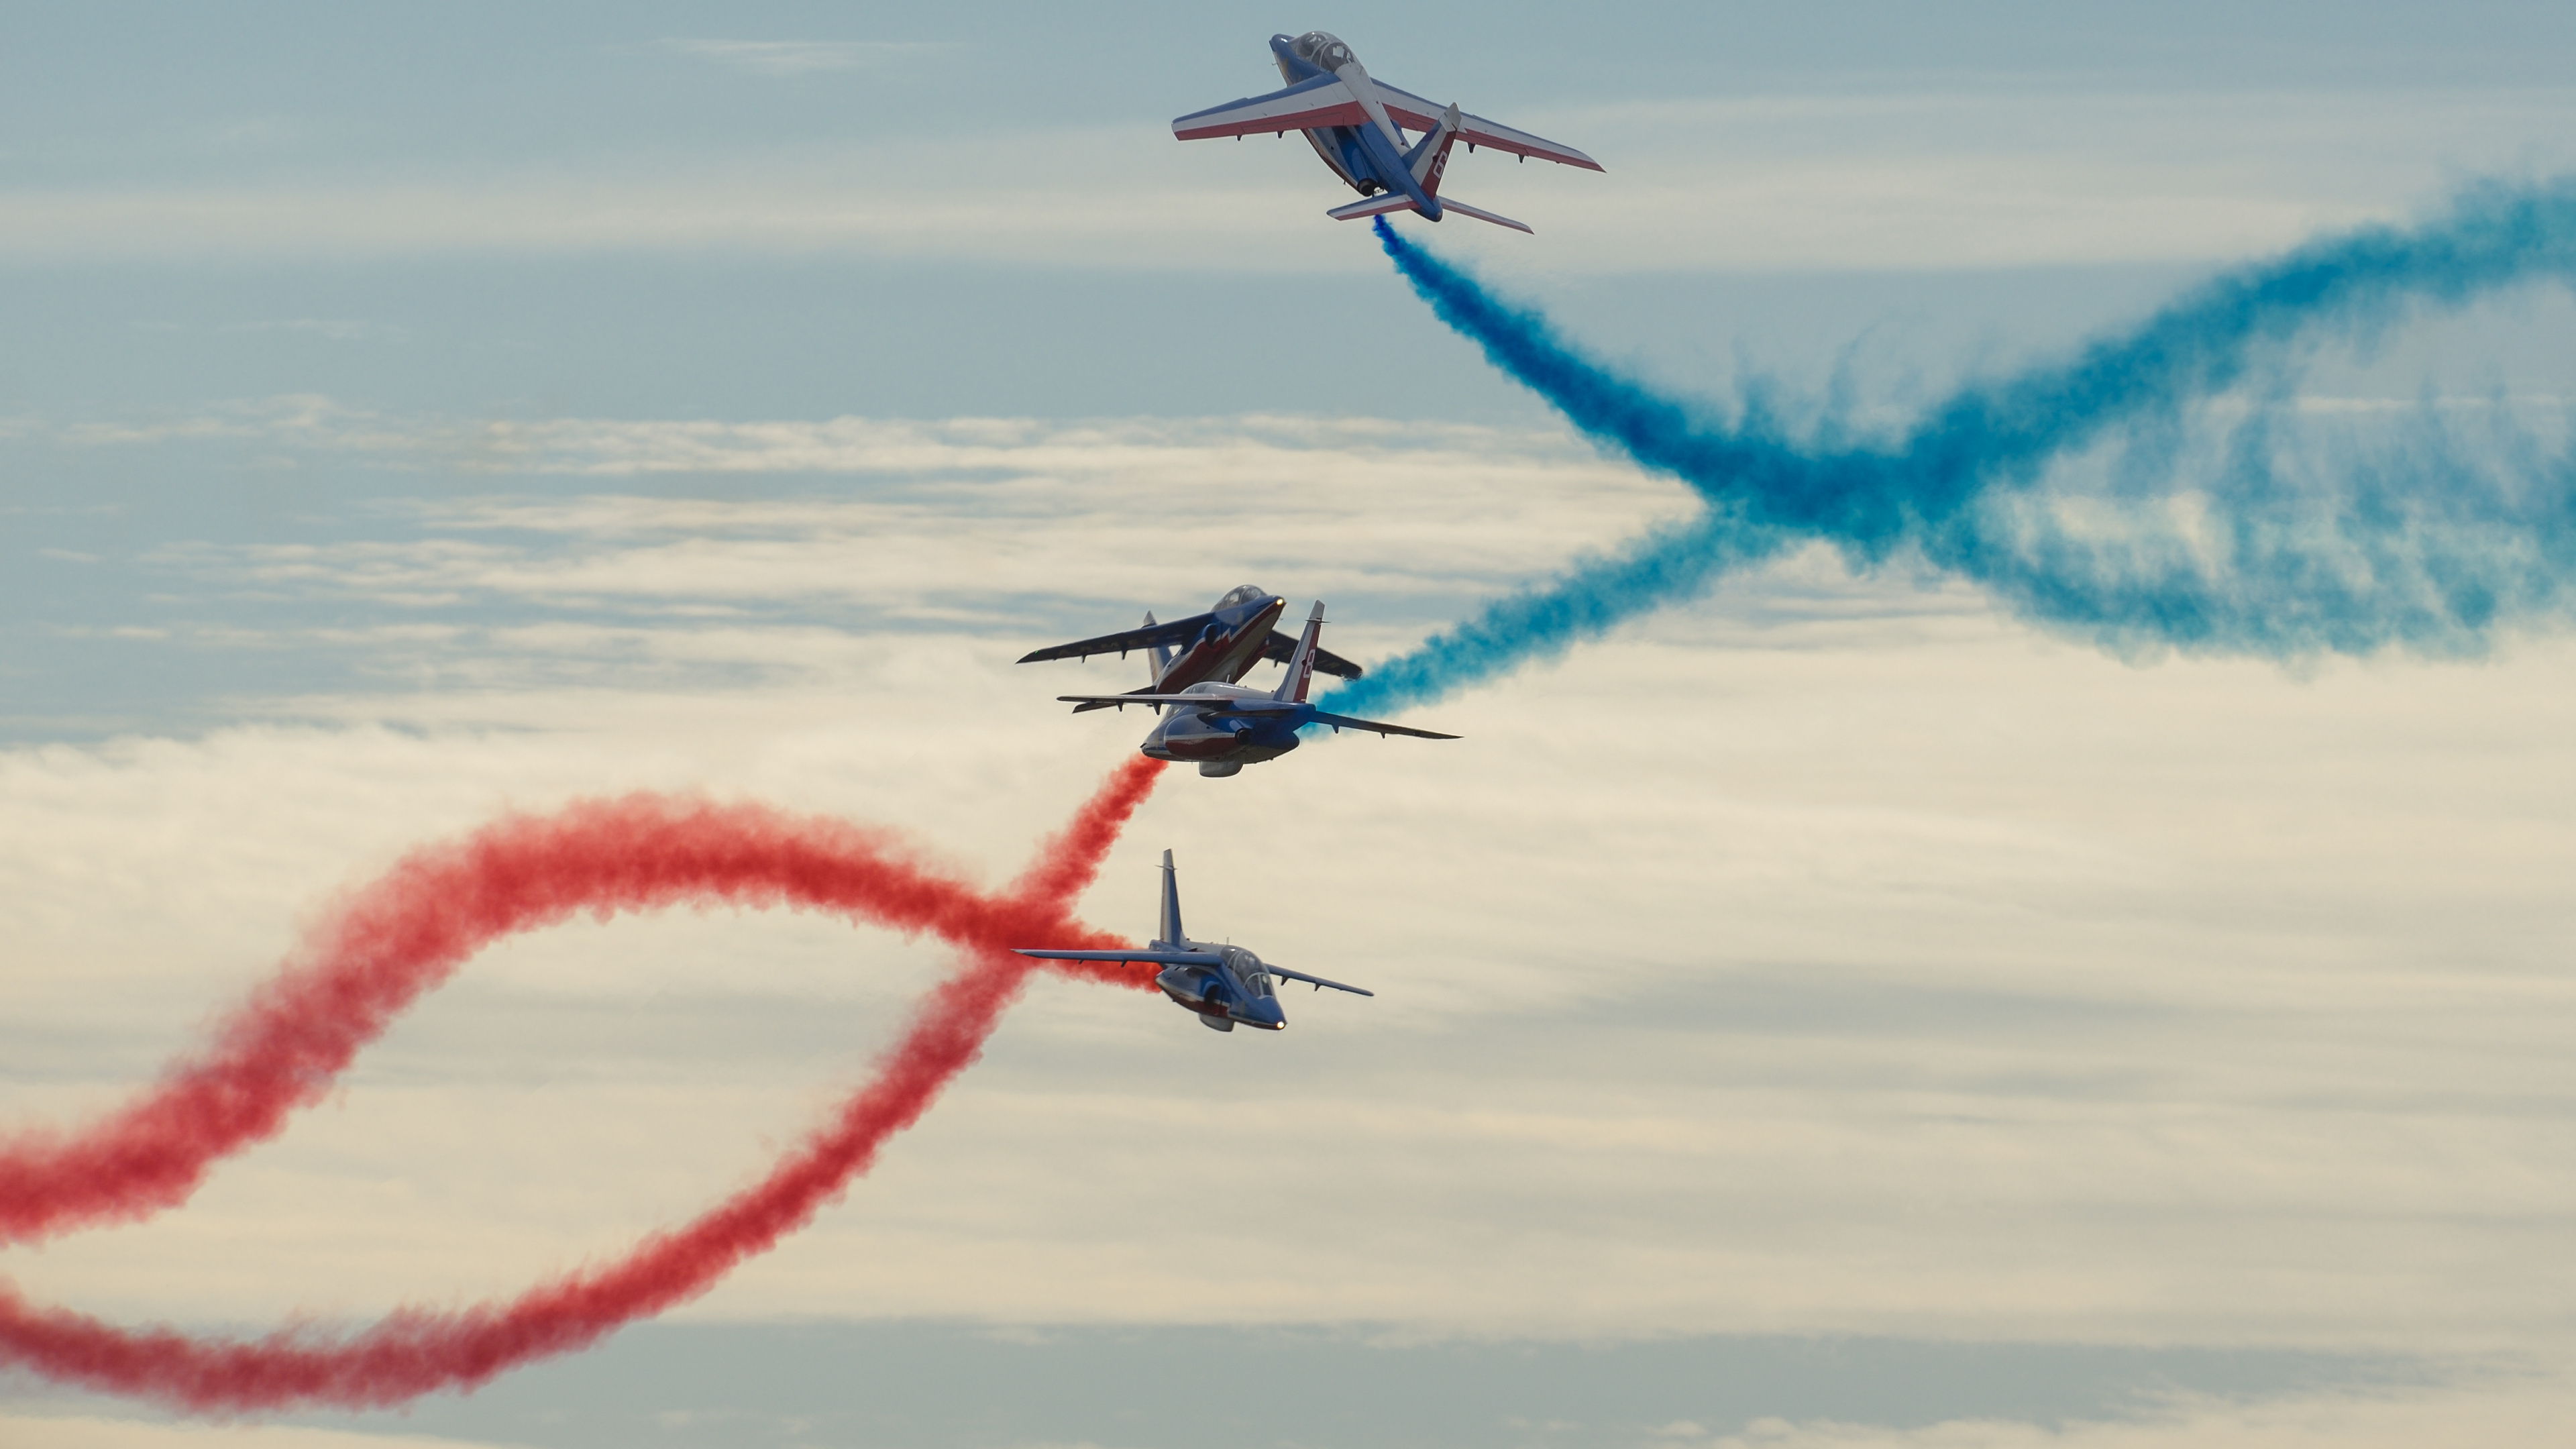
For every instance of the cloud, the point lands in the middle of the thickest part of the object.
(943, 520)
(336, 329)
(87, 1432)
(1823, 956)
(803, 57)
(1915, 182)
(2529, 1412)
(1947, 985)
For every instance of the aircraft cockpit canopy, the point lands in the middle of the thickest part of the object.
(1250, 965)
(1322, 48)
(1243, 594)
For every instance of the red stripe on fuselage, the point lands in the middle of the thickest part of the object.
(1225, 658)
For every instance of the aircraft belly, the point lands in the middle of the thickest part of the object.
(1208, 1012)
(1190, 668)
(1197, 747)
(1316, 140)
(1245, 653)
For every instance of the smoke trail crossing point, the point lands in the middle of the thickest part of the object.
(2280, 551)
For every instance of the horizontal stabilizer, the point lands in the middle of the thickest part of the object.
(1378, 205)
(1463, 209)
(1168, 958)
(1346, 722)
(1326, 661)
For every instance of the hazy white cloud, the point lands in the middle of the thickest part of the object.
(802, 57)
(2529, 1412)
(336, 329)
(1922, 978)
(949, 520)
(305, 419)
(1772, 183)
(1824, 956)
(86, 1432)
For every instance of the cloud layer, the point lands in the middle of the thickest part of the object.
(1930, 180)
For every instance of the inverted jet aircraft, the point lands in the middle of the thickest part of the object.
(1223, 984)
(1222, 644)
(1224, 727)
(1356, 123)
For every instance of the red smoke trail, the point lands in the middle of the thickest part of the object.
(408, 932)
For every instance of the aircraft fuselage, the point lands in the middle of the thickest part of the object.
(1202, 736)
(1367, 158)
(1230, 644)
(1237, 991)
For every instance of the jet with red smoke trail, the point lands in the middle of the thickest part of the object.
(1356, 124)
(1222, 984)
(1223, 727)
(1221, 645)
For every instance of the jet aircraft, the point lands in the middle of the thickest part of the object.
(1224, 727)
(1223, 984)
(1222, 644)
(1356, 124)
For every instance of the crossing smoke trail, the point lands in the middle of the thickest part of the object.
(2273, 549)
(405, 934)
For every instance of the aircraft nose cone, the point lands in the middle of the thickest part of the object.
(1265, 1010)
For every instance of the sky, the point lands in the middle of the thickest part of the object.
(1832, 1009)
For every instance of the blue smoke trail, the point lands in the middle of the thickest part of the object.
(2274, 552)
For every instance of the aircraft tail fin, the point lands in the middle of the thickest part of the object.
(1386, 201)
(1161, 653)
(1168, 925)
(1430, 156)
(1301, 665)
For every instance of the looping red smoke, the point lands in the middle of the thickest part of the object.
(404, 934)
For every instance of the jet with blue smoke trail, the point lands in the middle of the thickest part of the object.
(2278, 549)
(1223, 727)
(1356, 125)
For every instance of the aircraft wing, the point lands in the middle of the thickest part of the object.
(1103, 704)
(1345, 722)
(1313, 980)
(1177, 632)
(1322, 101)
(1416, 114)
(1221, 703)
(1173, 958)
(1283, 646)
